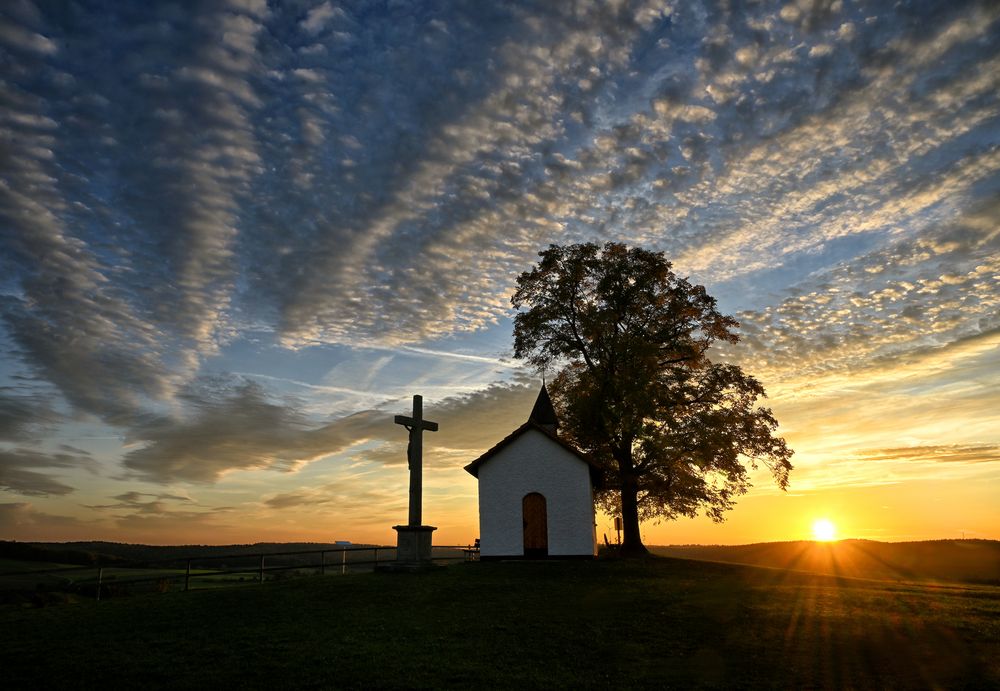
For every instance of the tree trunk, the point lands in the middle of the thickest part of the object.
(631, 538)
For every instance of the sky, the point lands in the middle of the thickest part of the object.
(237, 236)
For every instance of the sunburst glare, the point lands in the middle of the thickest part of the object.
(824, 530)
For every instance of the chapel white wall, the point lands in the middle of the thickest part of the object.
(535, 463)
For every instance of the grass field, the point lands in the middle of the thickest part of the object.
(25, 578)
(43, 582)
(661, 622)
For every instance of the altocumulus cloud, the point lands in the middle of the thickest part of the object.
(182, 181)
(900, 299)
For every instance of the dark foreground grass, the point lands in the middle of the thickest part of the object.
(662, 622)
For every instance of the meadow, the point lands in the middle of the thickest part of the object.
(41, 574)
(661, 622)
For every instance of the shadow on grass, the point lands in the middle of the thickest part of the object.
(607, 623)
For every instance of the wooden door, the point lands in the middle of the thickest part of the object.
(536, 528)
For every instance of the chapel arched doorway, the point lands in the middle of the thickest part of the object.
(536, 528)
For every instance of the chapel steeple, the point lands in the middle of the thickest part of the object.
(543, 414)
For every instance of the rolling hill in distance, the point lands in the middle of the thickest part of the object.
(968, 561)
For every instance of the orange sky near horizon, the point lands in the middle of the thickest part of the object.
(890, 478)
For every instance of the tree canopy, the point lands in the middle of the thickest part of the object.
(635, 387)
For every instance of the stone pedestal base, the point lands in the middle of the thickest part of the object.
(413, 546)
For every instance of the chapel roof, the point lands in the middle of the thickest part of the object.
(544, 423)
(543, 413)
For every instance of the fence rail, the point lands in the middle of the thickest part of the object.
(108, 577)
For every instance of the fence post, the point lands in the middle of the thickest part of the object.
(187, 577)
(262, 568)
(376, 559)
(100, 578)
(322, 563)
(343, 562)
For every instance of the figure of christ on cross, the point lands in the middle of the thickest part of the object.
(414, 456)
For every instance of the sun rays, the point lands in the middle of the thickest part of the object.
(824, 530)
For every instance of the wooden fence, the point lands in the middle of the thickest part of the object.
(116, 577)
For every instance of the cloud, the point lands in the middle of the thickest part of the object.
(297, 499)
(910, 295)
(161, 516)
(346, 501)
(445, 190)
(227, 186)
(68, 325)
(142, 502)
(201, 156)
(24, 415)
(22, 521)
(319, 17)
(468, 423)
(133, 505)
(121, 219)
(20, 37)
(235, 425)
(953, 453)
(18, 470)
(387, 189)
(478, 420)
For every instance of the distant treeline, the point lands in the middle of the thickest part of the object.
(968, 561)
(57, 553)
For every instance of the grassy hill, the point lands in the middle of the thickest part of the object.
(663, 622)
(968, 561)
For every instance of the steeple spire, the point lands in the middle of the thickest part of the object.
(543, 413)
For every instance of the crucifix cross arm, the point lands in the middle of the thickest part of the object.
(410, 423)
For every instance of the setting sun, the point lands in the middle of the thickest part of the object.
(824, 530)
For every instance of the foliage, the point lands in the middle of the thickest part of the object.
(636, 388)
(55, 552)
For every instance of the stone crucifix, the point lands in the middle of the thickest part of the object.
(416, 425)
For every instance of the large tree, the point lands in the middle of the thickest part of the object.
(635, 387)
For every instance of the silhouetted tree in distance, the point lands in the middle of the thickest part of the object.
(635, 388)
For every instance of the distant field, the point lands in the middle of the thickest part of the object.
(38, 579)
(21, 582)
(15, 565)
(660, 622)
(18, 575)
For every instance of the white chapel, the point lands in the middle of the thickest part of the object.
(536, 493)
